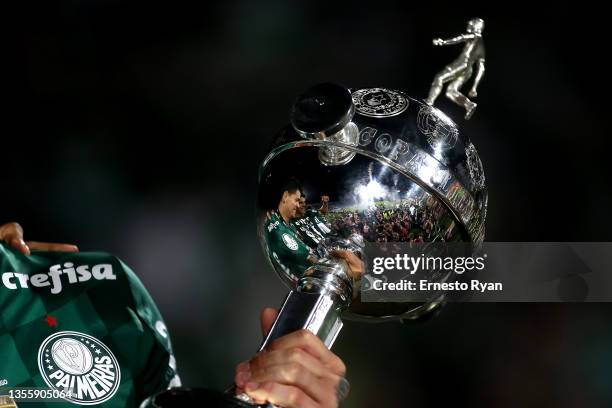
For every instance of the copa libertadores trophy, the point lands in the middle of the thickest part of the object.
(357, 166)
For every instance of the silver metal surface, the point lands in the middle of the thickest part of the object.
(318, 313)
(409, 175)
(460, 70)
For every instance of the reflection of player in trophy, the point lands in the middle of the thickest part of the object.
(284, 244)
(460, 70)
(310, 223)
(294, 231)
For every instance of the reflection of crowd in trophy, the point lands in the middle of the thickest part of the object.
(403, 221)
(296, 232)
(458, 196)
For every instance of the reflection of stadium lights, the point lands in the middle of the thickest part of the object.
(370, 191)
(438, 150)
(412, 191)
(429, 170)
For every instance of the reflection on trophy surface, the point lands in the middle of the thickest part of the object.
(460, 71)
(381, 168)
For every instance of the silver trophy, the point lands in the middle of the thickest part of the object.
(358, 166)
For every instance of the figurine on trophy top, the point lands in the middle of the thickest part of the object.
(460, 70)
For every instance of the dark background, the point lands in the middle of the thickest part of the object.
(137, 128)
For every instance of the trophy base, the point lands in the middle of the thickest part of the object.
(198, 397)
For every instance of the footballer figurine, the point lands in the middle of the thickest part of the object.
(459, 71)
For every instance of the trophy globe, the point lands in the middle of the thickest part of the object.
(357, 168)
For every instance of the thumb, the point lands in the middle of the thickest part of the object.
(267, 318)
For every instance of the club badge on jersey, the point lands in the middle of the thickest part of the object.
(81, 365)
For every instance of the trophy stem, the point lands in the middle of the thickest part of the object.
(317, 313)
(321, 295)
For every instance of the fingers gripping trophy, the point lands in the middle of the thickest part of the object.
(356, 167)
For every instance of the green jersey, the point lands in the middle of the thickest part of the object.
(311, 227)
(81, 323)
(285, 247)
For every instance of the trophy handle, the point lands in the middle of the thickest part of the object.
(321, 295)
(315, 312)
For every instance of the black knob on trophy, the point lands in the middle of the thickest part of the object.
(325, 112)
(322, 111)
